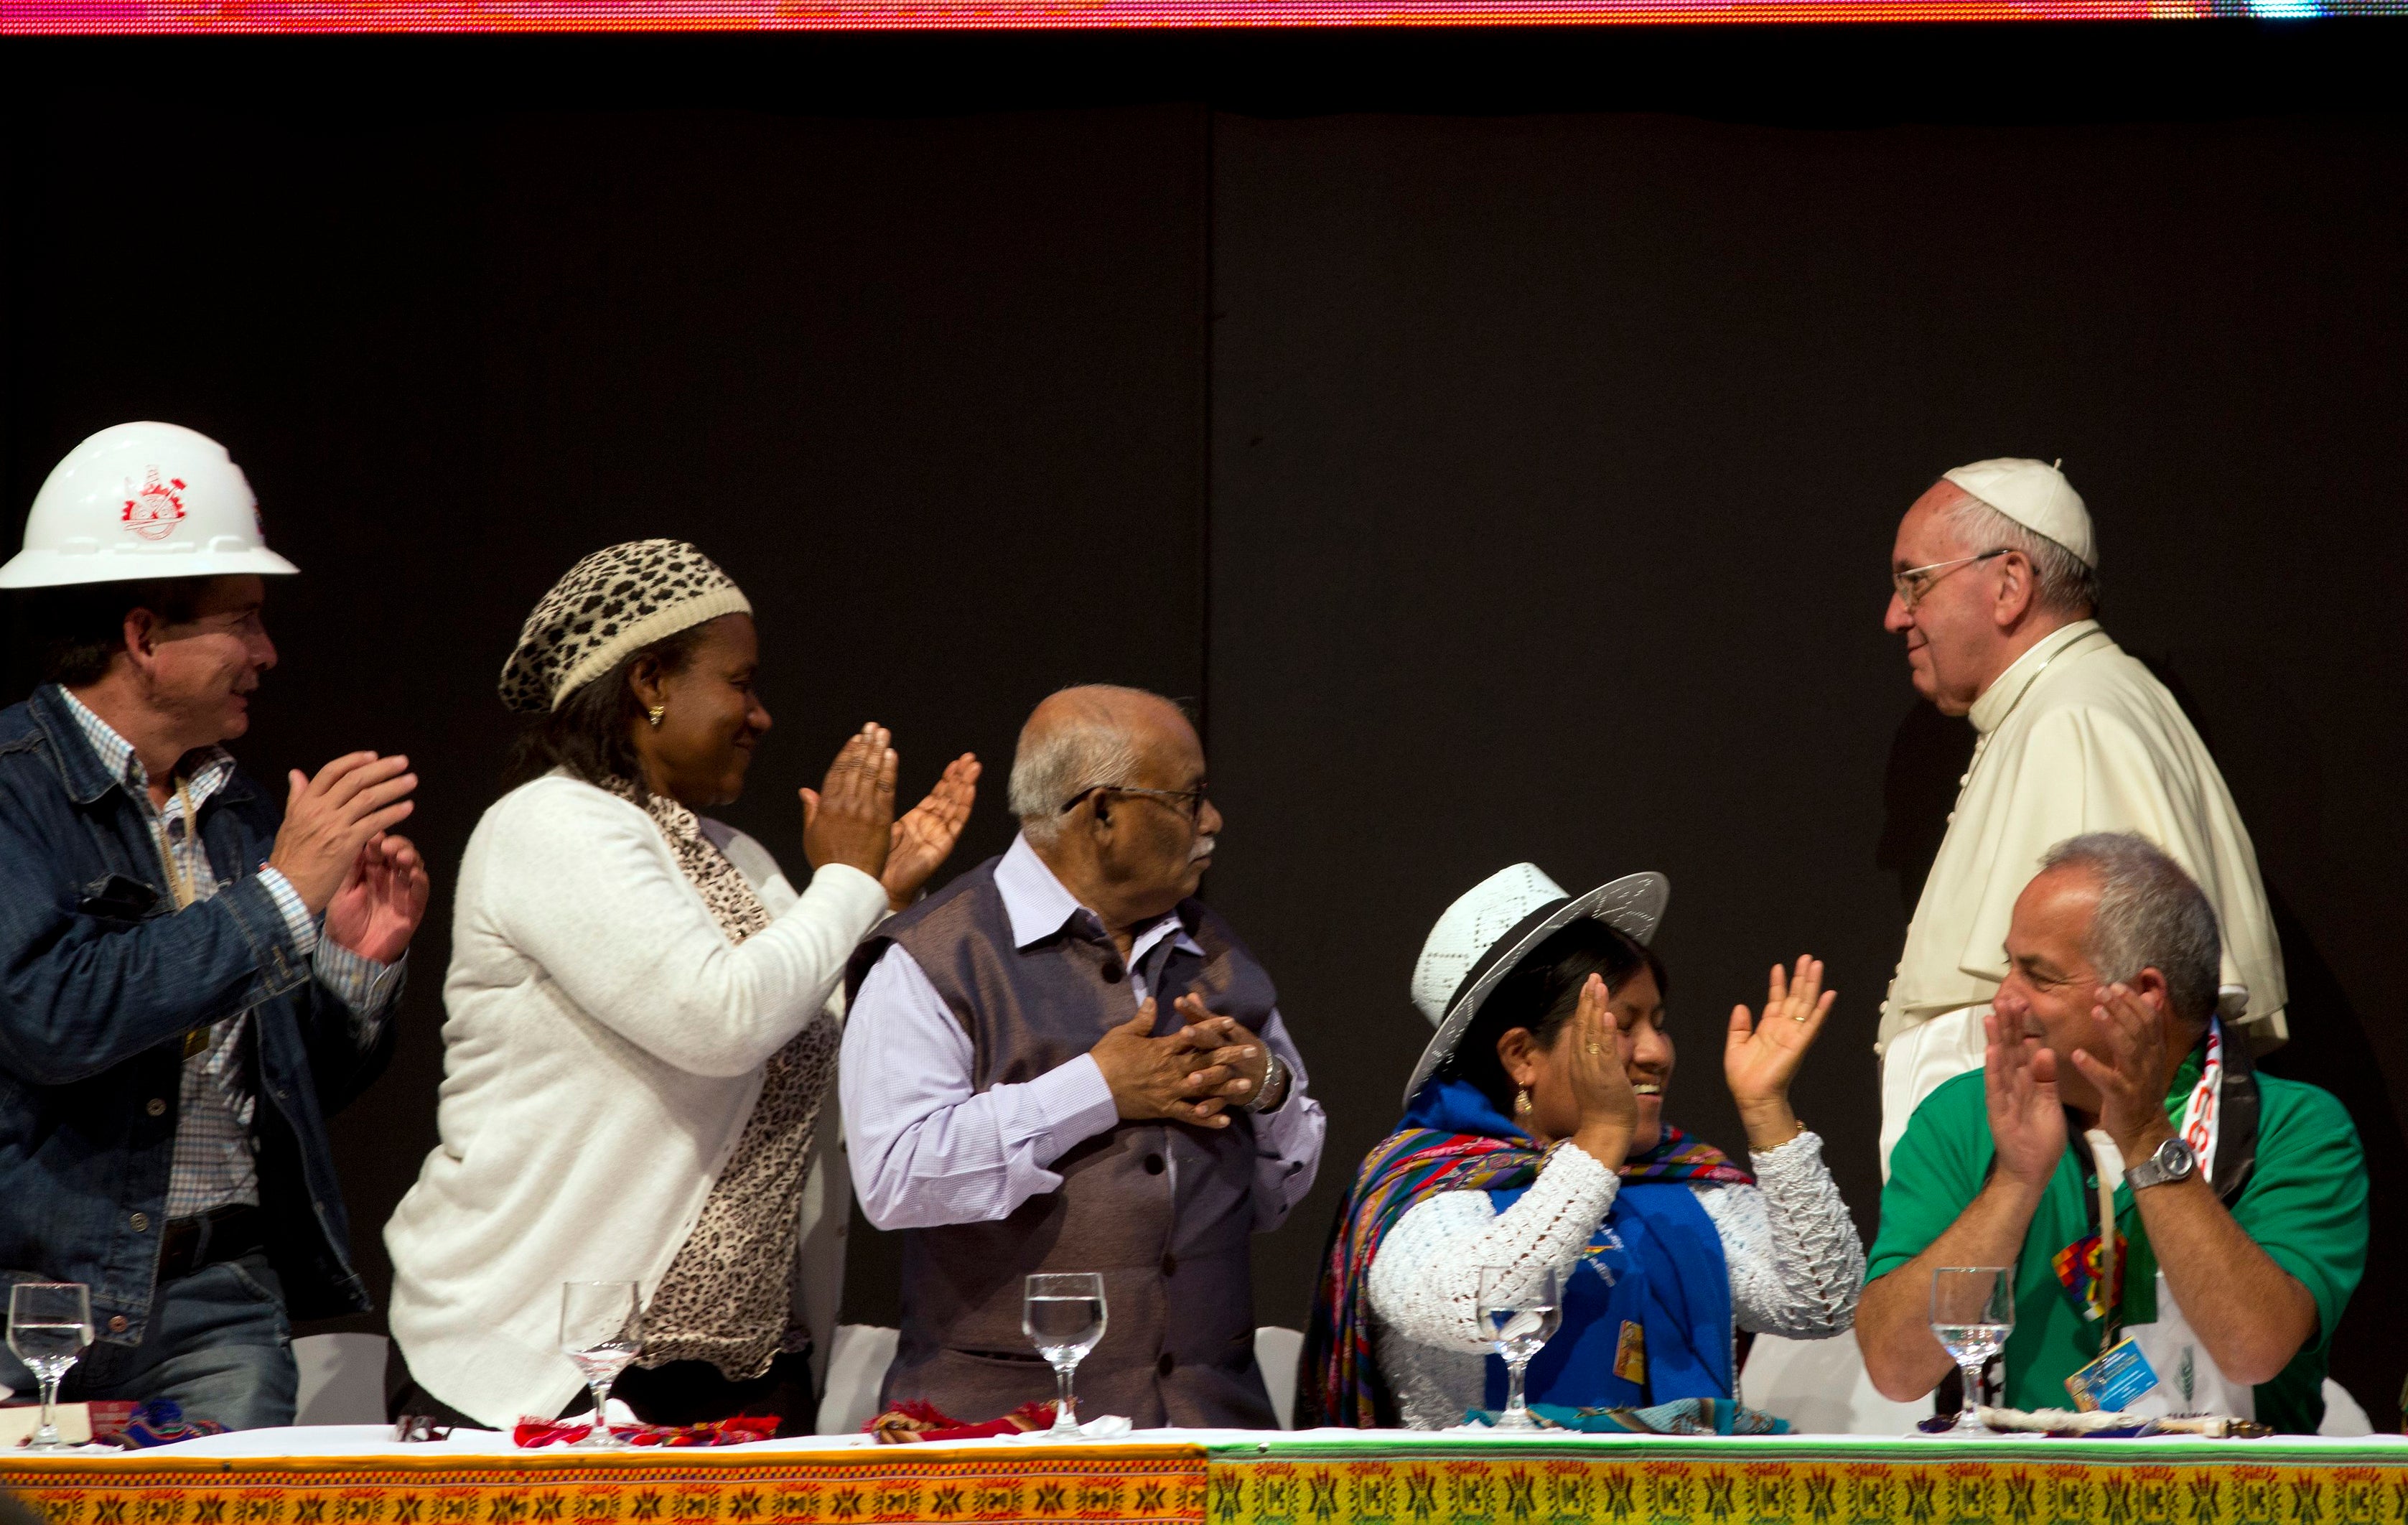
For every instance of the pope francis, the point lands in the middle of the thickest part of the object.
(1995, 581)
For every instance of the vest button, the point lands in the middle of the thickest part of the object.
(1170, 1265)
(1153, 1164)
(156, 1106)
(117, 1326)
(1112, 972)
(142, 1221)
(1165, 1364)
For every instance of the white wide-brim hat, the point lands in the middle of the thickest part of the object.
(1489, 931)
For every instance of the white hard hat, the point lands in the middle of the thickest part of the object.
(138, 501)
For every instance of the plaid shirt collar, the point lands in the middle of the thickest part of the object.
(206, 770)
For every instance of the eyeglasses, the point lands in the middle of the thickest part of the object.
(1913, 582)
(1189, 801)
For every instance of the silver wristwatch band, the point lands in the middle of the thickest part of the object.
(2174, 1160)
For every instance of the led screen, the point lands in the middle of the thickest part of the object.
(131, 16)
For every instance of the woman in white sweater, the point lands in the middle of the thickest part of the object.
(641, 1016)
(1534, 1139)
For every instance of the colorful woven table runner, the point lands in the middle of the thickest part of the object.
(1375, 1480)
(1759, 1482)
(1127, 1485)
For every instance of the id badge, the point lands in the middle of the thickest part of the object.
(2112, 1381)
(1630, 1353)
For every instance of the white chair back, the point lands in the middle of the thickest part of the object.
(1821, 1388)
(857, 1367)
(343, 1379)
(1277, 1351)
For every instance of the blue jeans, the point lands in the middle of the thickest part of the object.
(218, 1344)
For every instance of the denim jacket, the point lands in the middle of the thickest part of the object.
(100, 978)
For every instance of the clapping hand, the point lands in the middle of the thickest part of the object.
(925, 838)
(2026, 1115)
(1761, 1057)
(2130, 1076)
(329, 819)
(1600, 1078)
(381, 901)
(850, 818)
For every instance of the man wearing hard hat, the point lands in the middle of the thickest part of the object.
(193, 974)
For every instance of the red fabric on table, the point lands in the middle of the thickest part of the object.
(740, 1430)
(915, 1419)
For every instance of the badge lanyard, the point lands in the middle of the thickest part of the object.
(2103, 1289)
(2201, 1128)
(183, 884)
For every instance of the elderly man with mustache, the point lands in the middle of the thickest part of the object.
(1062, 1061)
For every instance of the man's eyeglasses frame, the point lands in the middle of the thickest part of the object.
(1192, 800)
(1915, 583)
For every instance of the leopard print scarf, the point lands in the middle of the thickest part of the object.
(727, 1296)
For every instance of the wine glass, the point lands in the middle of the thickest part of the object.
(1972, 1311)
(1519, 1311)
(1063, 1315)
(601, 1330)
(49, 1324)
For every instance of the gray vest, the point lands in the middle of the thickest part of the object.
(1164, 1211)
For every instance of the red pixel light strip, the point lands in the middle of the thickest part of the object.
(268, 16)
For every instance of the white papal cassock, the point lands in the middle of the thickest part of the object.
(2075, 737)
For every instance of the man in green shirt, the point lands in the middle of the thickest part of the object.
(2242, 1198)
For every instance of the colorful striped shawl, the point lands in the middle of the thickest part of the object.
(1338, 1382)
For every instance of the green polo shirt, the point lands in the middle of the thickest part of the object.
(2304, 1206)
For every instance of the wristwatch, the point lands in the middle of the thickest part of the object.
(2173, 1161)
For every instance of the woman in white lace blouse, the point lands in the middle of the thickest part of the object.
(1534, 1138)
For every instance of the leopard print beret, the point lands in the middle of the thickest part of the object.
(612, 605)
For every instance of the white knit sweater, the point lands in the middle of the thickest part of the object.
(1795, 1264)
(603, 1045)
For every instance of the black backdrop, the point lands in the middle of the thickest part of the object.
(1505, 472)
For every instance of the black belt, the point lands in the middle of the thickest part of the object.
(222, 1234)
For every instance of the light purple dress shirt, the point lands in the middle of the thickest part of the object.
(927, 1148)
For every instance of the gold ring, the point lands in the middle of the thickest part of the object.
(1799, 1020)
(1595, 1048)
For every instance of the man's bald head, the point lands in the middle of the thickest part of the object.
(1083, 737)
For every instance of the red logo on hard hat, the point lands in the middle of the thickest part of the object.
(155, 510)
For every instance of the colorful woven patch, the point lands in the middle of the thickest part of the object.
(2077, 1271)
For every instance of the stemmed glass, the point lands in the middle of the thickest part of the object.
(602, 1331)
(1973, 1313)
(1520, 1313)
(49, 1324)
(1063, 1315)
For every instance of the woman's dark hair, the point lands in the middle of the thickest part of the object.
(589, 733)
(79, 629)
(1541, 994)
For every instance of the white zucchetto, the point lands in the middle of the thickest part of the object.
(2035, 494)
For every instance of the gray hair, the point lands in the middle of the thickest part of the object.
(1066, 760)
(2062, 582)
(2151, 915)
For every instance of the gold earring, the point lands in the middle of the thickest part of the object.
(1522, 1100)
(653, 715)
